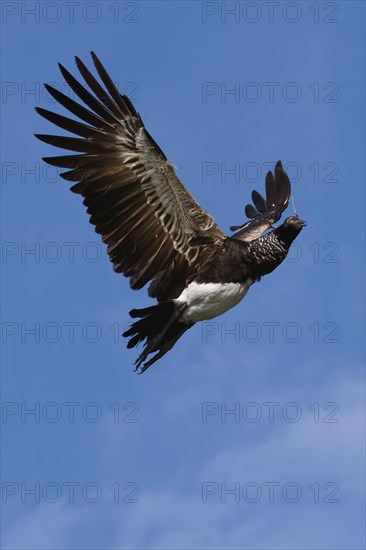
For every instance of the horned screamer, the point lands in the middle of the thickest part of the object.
(154, 229)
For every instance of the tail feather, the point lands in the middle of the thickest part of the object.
(142, 312)
(159, 325)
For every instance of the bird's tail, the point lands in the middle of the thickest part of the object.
(161, 328)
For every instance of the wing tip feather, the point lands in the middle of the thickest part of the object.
(268, 210)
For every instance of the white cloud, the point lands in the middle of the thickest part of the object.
(46, 526)
(168, 517)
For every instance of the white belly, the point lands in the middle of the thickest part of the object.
(206, 301)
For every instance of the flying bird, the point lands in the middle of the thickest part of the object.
(155, 231)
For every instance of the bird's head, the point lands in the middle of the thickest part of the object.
(290, 228)
(294, 222)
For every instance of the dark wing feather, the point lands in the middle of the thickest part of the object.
(72, 144)
(153, 227)
(265, 213)
(259, 202)
(250, 212)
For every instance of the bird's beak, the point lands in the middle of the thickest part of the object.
(303, 224)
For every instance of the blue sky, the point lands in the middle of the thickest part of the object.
(117, 460)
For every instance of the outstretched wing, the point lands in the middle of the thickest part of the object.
(268, 211)
(152, 225)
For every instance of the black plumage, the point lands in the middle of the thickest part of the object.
(154, 230)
